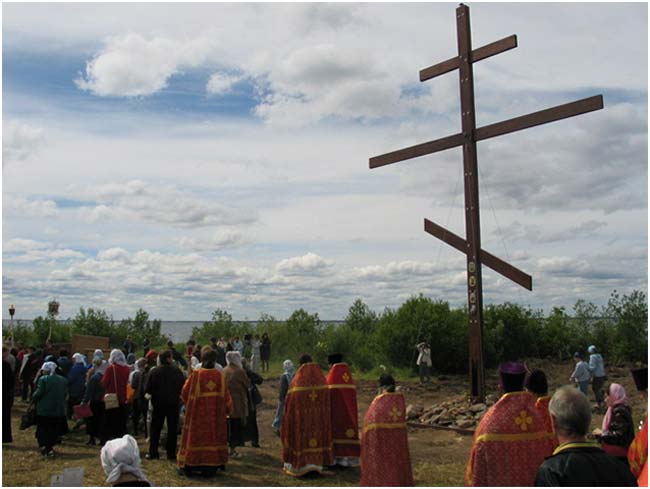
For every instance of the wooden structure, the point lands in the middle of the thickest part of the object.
(87, 344)
(467, 138)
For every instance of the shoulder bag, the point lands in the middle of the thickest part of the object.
(110, 399)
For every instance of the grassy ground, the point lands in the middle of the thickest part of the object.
(438, 457)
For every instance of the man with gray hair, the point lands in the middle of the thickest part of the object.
(577, 462)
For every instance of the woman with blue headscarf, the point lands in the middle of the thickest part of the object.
(285, 382)
(49, 397)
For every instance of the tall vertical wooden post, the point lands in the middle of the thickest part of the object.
(472, 214)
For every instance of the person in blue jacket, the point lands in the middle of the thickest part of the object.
(76, 382)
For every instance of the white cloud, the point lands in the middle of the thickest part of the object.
(132, 65)
(20, 140)
(310, 263)
(221, 83)
(14, 205)
(29, 251)
(162, 204)
(221, 239)
(394, 270)
(114, 254)
(23, 245)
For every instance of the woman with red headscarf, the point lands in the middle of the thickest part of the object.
(618, 427)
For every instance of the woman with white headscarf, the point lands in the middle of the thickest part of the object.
(49, 397)
(114, 381)
(238, 384)
(285, 382)
(94, 395)
(76, 381)
(136, 381)
(121, 463)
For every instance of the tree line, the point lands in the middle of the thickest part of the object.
(368, 339)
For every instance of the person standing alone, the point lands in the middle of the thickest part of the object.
(424, 361)
(581, 373)
(164, 385)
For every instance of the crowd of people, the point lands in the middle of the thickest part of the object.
(105, 394)
(208, 395)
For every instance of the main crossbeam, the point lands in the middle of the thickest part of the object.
(533, 119)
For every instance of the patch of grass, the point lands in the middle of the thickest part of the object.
(439, 475)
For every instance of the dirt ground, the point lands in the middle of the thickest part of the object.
(438, 457)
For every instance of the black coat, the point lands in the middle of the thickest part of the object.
(621, 427)
(583, 464)
(8, 386)
(165, 383)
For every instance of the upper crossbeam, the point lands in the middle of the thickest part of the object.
(483, 52)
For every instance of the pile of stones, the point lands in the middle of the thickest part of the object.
(457, 412)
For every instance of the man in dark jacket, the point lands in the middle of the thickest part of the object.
(64, 363)
(29, 370)
(576, 462)
(164, 384)
(221, 353)
(8, 385)
(176, 356)
(128, 346)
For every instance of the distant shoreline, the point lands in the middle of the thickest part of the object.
(179, 331)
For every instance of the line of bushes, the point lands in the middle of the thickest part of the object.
(367, 339)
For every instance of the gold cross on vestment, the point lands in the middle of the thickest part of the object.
(523, 420)
(395, 413)
(313, 396)
(211, 385)
(346, 377)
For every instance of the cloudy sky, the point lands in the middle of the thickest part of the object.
(182, 158)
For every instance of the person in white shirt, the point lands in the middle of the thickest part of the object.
(597, 369)
(581, 373)
(424, 361)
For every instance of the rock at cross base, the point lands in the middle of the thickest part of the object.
(413, 412)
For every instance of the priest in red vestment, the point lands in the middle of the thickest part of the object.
(385, 459)
(512, 439)
(637, 454)
(306, 429)
(345, 416)
(204, 442)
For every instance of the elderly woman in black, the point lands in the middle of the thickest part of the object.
(238, 384)
(251, 432)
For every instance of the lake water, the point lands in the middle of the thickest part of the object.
(180, 331)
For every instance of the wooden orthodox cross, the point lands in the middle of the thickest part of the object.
(471, 246)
